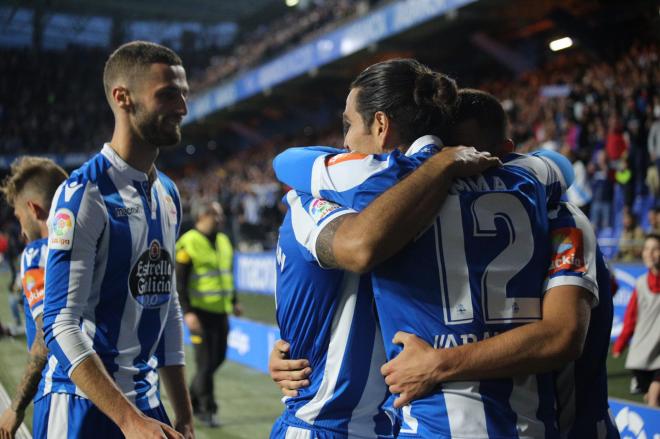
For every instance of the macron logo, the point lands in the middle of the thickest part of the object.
(70, 189)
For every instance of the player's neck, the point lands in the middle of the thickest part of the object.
(43, 229)
(133, 151)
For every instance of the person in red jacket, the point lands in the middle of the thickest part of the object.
(642, 319)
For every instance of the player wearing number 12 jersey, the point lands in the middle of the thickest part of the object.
(477, 271)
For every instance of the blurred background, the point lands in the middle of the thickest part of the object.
(576, 76)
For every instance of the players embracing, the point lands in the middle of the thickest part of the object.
(478, 270)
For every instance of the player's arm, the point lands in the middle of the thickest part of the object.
(12, 417)
(174, 381)
(533, 348)
(76, 224)
(358, 242)
(171, 367)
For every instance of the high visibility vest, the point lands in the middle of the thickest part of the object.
(211, 281)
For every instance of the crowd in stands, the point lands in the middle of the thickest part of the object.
(604, 116)
(276, 37)
(52, 102)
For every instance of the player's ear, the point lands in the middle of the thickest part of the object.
(37, 210)
(381, 128)
(122, 98)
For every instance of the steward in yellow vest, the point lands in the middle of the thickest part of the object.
(205, 283)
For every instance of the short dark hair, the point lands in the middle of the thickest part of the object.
(486, 111)
(131, 59)
(652, 236)
(418, 100)
(37, 174)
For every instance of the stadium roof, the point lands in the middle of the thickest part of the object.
(204, 11)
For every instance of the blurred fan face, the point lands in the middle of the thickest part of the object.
(358, 137)
(29, 225)
(651, 253)
(160, 104)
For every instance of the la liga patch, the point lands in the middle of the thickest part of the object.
(320, 209)
(62, 225)
(567, 251)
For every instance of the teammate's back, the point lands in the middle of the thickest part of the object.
(477, 271)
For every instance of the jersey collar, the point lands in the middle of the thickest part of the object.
(422, 142)
(122, 166)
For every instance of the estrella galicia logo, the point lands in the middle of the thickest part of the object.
(151, 277)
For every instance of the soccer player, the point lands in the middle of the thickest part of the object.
(581, 384)
(406, 296)
(111, 313)
(29, 189)
(327, 314)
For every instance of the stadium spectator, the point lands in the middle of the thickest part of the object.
(603, 192)
(653, 217)
(631, 240)
(579, 193)
(642, 325)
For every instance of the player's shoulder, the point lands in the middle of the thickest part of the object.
(545, 166)
(168, 184)
(33, 253)
(91, 171)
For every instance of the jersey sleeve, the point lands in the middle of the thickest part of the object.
(348, 179)
(33, 288)
(573, 251)
(169, 351)
(309, 216)
(75, 224)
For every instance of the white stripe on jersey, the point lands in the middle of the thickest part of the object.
(524, 401)
(341, 328)
(58, 416)
(411, 423)
(77, 345)
(152, 379)
(128, 343)
(362, 422)
(465, 409)
(297, 433)
(48, 378)
(345, 175)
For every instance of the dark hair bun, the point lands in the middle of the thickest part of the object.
(434, 89)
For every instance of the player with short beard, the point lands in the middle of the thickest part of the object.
(115, 214)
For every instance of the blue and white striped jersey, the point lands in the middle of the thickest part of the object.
(110, 274)
(33, 263)
(478, 270)
(328, 318)
(583, 410)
